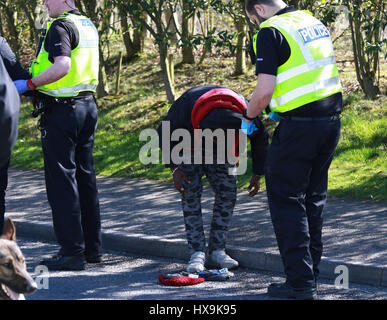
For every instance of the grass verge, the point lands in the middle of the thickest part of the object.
(359, 169)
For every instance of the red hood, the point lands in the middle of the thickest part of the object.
(216, 98)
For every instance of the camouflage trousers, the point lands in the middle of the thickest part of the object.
(224, 187)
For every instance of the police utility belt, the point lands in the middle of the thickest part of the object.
(46, 103)
(65, 100)
(329, 118)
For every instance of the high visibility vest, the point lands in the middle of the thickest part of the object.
(83, 75)
(310, 73)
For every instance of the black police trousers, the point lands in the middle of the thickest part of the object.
(296, 180)
(3, 187)
(67, 133)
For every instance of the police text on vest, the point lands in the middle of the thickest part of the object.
(313, 33)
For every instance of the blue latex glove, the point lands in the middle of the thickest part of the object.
(248, 128)
(274, 116)
(21, 86)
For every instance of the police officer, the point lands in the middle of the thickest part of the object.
(65, 72)
(10, 68)
(210, 108)
(299, 79)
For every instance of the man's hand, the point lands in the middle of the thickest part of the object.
(21, 86)
(178, 177)
(248, 127)
(255, 183)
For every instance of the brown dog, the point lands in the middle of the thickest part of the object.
(14, 278)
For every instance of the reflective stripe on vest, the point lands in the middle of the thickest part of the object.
(83, 75)
(310, 74)
(70, 90)
(309, 88)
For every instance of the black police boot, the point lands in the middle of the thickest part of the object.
(93, 257)
(60, 262)
(286, 291)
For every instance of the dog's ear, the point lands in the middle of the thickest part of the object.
(9, 231)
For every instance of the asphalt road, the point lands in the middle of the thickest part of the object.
(132, 277)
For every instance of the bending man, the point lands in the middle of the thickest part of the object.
(217, 109)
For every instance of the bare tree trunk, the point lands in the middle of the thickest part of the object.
(103, 88)
(135, 45)
(159, 30)
(29, 12)
(240, 61)
(167, 71)
(207, 28)
(174, 38)
(364, 73)
(1, 23)
(188, 56)
(91, 7)
(13, 39)
(139, 34)
(126, 33)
